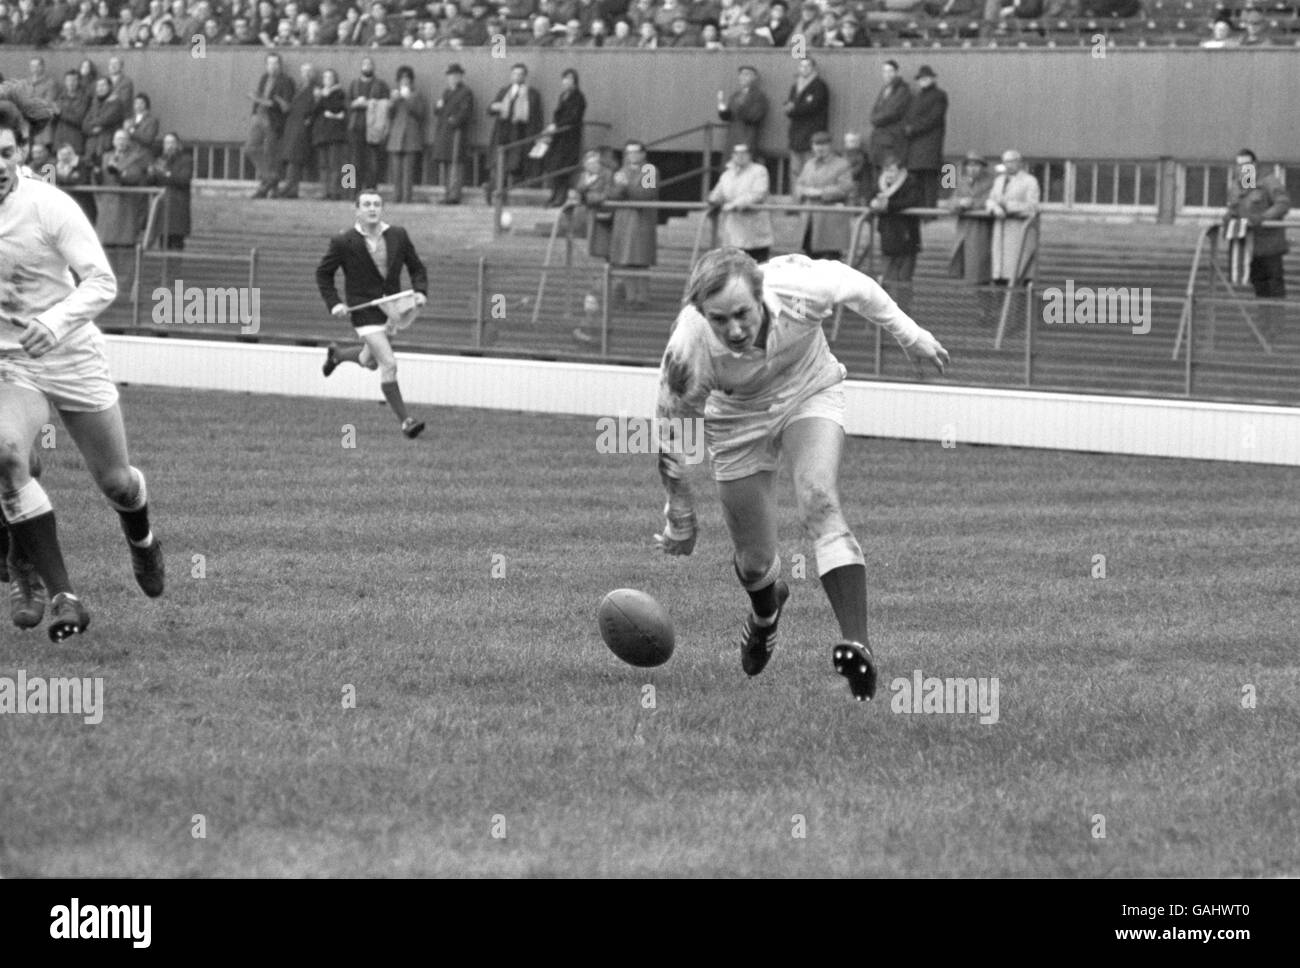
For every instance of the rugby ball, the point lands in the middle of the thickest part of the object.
(636, 628)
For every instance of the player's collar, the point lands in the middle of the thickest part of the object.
(383, 227)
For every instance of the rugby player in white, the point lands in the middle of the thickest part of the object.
(748, 355)
(51, 353)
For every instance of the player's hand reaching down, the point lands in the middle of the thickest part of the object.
(339, 310)
(927, 348)
(678, 537)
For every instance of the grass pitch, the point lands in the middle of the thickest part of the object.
(452, 584)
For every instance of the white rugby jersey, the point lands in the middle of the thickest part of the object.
(701, 375)
(44, 234)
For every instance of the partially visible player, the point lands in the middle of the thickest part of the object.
(371, 255)
(51, 353)
(748, 356)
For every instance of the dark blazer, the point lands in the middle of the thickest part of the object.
(362, 281)
(174, 173)
(811, 113)
(67, 126)
(453, 114)
(901, 234)
(147, 134)
(566, 147)
(887, 123)
(923, 127)
(745, 113)
(505, 131)
(327, 130)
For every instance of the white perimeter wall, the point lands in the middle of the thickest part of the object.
(914, 411)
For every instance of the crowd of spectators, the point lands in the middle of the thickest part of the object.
(457, 24)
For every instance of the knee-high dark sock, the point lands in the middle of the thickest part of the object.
(349, 354)
(762, 600)
(135, 520)
(4, 550)
(38, 539)
(394, 397)
(846, 587)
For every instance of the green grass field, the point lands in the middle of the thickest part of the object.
(487, 704)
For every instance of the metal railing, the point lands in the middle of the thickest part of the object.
(499, 168)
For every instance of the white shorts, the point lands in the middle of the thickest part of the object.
(73, 376)
(387, 328)
(743, 444)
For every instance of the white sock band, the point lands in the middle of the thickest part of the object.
(29, 501)
(773, 572)
(141, 493)
(837, 550)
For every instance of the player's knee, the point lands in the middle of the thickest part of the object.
(756, 569)
(117, 483)
(13, 460)
(819, 503)
(388, 372)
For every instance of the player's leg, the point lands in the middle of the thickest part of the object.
(815, 445)
(356, 353)
(29, 517)
(382, 351)
(101, 437)
(27, 596)
(749, 508)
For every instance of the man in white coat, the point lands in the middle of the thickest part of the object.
(743, 185)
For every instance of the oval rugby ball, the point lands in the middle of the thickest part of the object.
(636, 628)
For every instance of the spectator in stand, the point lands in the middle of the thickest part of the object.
(330, 18)
(241, 33)
(541, 35)
(743, 184)
(669, 10)
(633, 235)
(1221, 36)
(710, 38)
(70, 106)
(477, 31)
(729, 15)
(297, 148)
(701, 12)
(639, 12)
(777, 29)
(453, 114)
(143, 127)
(368, 125)
(649, 36)
(103, 117)
(40, 83)
(329, 133)
(566, 145)
(744, 111)
(173, 170)
(970, 260)
(887, 119)
(123, 86)
(1255, 197)
(1256, 28)
(406, 111)
(808, 108)
(824, 180)
(121, 216)
(851, 34)
(900, 235)
(1013, 201)
(572, 36)
(745, 35)
(266, 129)
(924, 126)
(680, 34)
(859, 168)
(69, 171)
(808, 26)
(89, 74)
(590, 192)
(517, 109)
(597, 36)
(622, 36)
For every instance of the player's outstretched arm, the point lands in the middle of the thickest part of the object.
(865, 296)
(683, 387)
